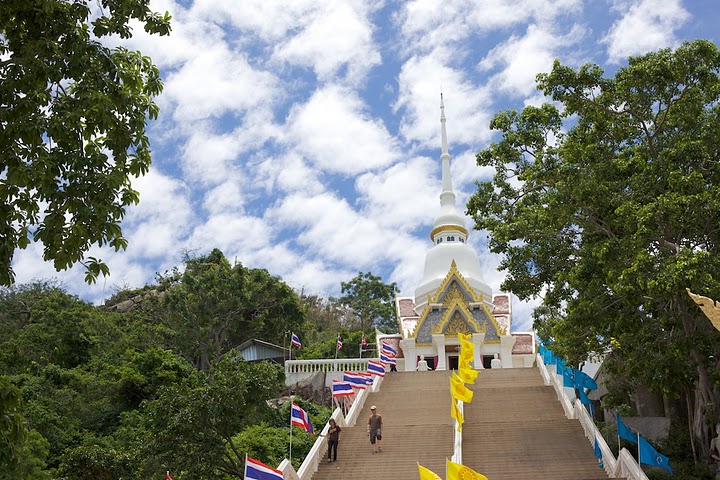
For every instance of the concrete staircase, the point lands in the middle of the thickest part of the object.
(417, 427)
(514, 429)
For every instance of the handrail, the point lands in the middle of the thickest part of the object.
(558, 386)
(625, 466)
(319, 448)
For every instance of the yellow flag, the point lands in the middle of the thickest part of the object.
(467, 374)
(455, 471)
(458, 390)
(456, 414)
(426, 474)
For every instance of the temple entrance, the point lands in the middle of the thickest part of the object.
(487, 360)
(453, 362)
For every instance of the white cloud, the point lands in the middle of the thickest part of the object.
(467, 106)
(330, 229)
(522, 58)
(334, 132)
(208, 158)
(644, 26)
(430, 24)
(289, 173)
(400, 197)
(339, 36)
(162, 218)
(216, 81)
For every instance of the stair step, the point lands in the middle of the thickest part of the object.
(515, 429)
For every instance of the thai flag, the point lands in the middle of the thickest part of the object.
(339, 343)
(363, 342)
(376, 368)
(355, 379)
(368, 378)
(167, 475)
(300, 418)
(388, 359)
(388, 350)
(342, 389)
(295, 340)
(256, 470)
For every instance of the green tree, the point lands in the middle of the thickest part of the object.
(371, 301)
(22, 451)
(610, 207)
(214, 307)
(195, 422)
(41, 324)
(72, 126)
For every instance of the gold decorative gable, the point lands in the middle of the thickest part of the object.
(456, 308)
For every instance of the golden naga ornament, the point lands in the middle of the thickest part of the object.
(710, 308)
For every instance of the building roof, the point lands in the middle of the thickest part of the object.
(255, 341)
(523, 343)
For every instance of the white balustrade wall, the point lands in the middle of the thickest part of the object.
(299, 370)
(625, 466)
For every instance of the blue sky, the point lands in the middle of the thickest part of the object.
(303, 136)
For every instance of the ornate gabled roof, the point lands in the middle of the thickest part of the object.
(454, 308)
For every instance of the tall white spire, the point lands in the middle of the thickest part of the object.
(447, 195)
(448, 218)
(449, 237)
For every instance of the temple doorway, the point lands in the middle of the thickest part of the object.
(453, 362)
(487, 360)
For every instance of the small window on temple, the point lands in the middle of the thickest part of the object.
(462, 239)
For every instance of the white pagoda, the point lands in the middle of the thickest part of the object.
(454, 298)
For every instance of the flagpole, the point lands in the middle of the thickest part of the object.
(245, 471)
(290, 349)
(291, 402)
(336, 347)
(638, 448)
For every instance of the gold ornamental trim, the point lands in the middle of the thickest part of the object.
(445, 228)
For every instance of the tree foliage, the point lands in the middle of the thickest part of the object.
(73, 113)
(195, 422)
(214, 307)
(610, 207)
(371, 301)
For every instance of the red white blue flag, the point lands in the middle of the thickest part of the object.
(355, 379)
(376, 368)
(300, 418)
(342, 389)
(295, 340)
(363, 342)
(388, 359)
(256, 470)
(368, 377)
(339, 343)
(388, 350)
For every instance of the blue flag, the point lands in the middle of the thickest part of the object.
(569, 377)
(559, 366)
(624, 431)
(586, 400)
(598, 454)
(649, 456)
(583, 380)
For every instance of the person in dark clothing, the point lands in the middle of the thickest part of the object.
(333, 440)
